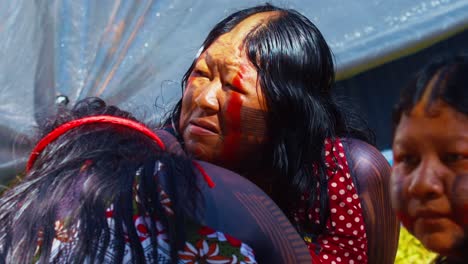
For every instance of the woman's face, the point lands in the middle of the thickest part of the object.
(223, 109)
(430, 176)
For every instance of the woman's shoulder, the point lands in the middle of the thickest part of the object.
(371, 173)
(237, 206)
(366, 163)
(361, 154)
(170, 141)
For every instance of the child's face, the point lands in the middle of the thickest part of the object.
(429, 184)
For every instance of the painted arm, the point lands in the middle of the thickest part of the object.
(371, 173)
(238, 207)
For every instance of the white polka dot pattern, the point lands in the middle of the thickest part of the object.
(344, 240)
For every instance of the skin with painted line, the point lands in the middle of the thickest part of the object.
(430, 175)
(223, 109)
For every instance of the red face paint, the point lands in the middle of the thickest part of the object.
(237, 81)
(405, 220)
(233, 122)
(465, 215)
(459, 199)
(233, 127)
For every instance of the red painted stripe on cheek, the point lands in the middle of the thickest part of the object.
(237, 81)
(233, 127)
(465, 215)
(406, 221)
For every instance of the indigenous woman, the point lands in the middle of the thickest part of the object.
(430, 146)
(258, 100)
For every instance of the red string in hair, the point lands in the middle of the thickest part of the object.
(102, 119)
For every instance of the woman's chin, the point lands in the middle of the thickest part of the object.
(442, 243)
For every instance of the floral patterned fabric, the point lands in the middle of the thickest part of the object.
(344, 239)
(206, 245)
(203, 245)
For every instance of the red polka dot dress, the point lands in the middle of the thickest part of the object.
(344, 239)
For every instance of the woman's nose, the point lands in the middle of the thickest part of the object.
(427, 181)
(207, 99)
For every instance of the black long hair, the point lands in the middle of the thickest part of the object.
(296, 75)
(78, 176)
(451, 86)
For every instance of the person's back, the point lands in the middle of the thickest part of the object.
(102, 187)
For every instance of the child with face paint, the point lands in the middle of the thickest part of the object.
(429, 183)
(257, 100)
(101, 187)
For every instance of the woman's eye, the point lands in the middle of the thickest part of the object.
(407, 160)
(200, 73)
(453, 157)
(234, 88)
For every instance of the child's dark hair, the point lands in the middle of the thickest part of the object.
(79, 176)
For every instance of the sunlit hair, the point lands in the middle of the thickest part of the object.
(451, 86)
(296, 74)
(78, 176)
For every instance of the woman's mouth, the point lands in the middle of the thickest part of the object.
(203, 128)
